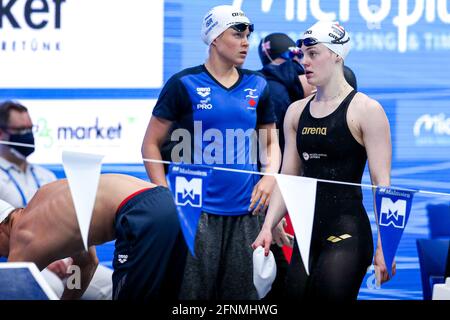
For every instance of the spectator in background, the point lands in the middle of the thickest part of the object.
(19, 181)
(281, 66)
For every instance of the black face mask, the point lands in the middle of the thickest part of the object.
(26, 138)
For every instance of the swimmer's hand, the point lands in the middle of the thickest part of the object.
(260, 198)
(264, 240)
(60, 267)
(281, 237)
(381, 272)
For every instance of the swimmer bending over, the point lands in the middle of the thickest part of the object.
(140, 216)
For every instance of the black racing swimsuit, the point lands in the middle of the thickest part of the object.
(341, 244)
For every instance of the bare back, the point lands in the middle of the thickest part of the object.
(47, 229)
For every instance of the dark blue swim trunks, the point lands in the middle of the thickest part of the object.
(149, 247)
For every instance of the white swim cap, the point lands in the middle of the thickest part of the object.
(330, 34)
(5, 210)
(219, 19)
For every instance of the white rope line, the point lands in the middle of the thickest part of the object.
(369, 186)
(17, 144)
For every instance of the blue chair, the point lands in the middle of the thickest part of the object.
(439, 220)
(432, 259)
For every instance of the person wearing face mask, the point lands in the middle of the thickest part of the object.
(20, 180)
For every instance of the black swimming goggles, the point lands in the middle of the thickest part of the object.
(241, 27)
(291, 53)
(308, 42)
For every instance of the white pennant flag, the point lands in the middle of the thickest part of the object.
(83, 173)
(299, 194)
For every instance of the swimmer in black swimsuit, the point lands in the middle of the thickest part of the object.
(330, 136)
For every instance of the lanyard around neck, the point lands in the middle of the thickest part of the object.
(16, 184)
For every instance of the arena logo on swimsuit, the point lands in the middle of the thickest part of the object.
(314, 131)
(204, 92)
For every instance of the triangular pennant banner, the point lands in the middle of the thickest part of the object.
(299, 194)
(83, 174)
(393, 208)
(188, 184)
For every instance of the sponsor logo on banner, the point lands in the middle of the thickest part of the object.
(20, 15)
(393, 208)
(94, 132)
(188, 192)
(422, 130)
(432, 129)
(102, 126)
(50, 39)
(48, 14)
(188, 184)
(393, 213)
(403, 17)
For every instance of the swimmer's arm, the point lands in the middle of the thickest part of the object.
(156, 134)
(270, 153)
(292, 166)
(87, 261)
(376, 135)
(377, 141)
(270, 156)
